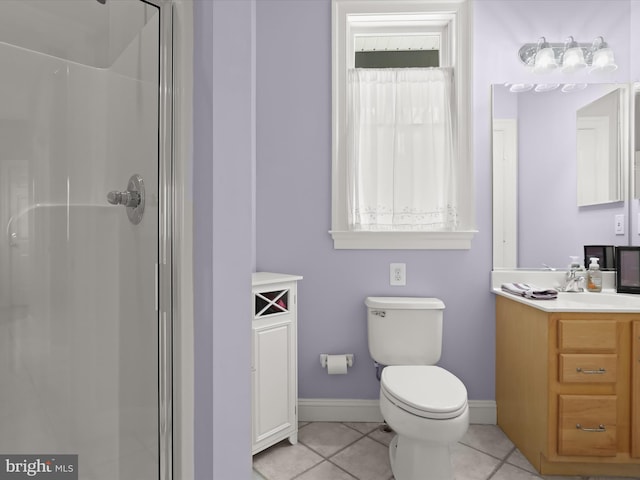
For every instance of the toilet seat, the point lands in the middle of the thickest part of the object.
(424, 390)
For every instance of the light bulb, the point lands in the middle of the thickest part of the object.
(545, 61)
(573, 60)
(603, 61)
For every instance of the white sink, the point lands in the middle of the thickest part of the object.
(600, 299)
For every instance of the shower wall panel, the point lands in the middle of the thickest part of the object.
(78, 324)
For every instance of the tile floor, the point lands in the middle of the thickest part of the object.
(359, 451)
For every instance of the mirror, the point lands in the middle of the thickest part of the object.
(599, 149)
(538, 221)
(636, 139)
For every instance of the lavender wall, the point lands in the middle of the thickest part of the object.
(505, 103)
(223, 232)
(293, 220)
(292, 202)
(294, 185)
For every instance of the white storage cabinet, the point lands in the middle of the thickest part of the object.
(274, 361)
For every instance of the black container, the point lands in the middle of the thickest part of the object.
(606, 255)
(628, 271)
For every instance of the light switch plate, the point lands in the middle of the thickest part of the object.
(619, 224)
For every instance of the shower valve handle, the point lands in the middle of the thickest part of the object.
(127, 198)
(132, 198)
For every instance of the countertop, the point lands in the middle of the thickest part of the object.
(596, 302)
(601, 302)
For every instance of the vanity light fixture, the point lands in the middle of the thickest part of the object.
(571, 56)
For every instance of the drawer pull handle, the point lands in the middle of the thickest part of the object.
(600, 428)
(599, 371)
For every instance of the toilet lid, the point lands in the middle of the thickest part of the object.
(424, 390)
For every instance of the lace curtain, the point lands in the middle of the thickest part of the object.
(400, 149)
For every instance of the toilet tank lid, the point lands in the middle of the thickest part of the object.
(407, 303)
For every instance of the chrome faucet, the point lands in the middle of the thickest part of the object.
(574, 282)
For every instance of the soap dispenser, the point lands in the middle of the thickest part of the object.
(574, 264)
(594, 276)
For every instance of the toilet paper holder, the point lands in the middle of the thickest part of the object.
(323, 359)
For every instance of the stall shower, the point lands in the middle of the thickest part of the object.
(82, 363)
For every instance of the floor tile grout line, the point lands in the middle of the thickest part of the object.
(365, 434)
(321, 455)
(379, 441)
(504, 461)
(345, 471)
(368, 435)
(487, 453)
(337, 451)
(500, 463)
(310, 468)
(328, 459)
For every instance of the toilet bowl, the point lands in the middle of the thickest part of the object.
(423, 403)
(427, 408)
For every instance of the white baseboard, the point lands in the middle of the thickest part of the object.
(359, 410)
(338, 410)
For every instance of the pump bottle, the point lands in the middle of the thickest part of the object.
(594, 276)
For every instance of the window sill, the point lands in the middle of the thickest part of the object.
(347, 240)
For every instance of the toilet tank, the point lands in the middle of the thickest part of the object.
(405, 330)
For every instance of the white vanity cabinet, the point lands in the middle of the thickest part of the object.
(274, 359)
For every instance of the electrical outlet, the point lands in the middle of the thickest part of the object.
(398, 274)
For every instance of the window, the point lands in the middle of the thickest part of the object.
(375, 204)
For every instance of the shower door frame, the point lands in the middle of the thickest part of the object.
(174, 272)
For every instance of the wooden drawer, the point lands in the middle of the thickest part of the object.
(588, 368)
(590, 335)
(587, 425)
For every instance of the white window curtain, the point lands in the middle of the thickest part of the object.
(400, 149)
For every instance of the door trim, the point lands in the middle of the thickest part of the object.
(505, 193)
(175, 268)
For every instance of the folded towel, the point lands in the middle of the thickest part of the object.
(530, 291)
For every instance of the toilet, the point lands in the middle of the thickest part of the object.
(424, 404)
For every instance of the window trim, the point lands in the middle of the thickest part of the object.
(454, 17)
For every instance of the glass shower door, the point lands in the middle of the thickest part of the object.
(79, 327)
